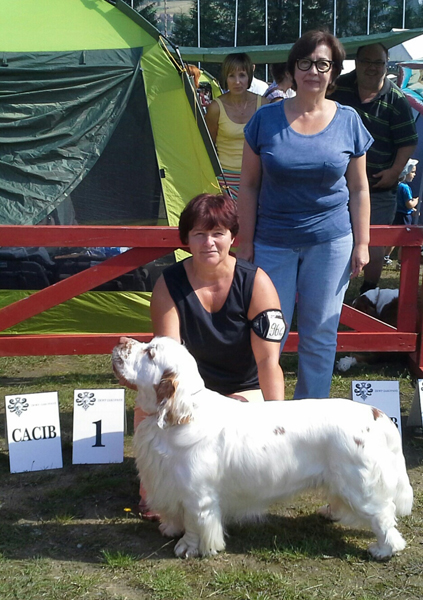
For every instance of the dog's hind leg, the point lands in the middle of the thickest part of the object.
(171, 528)
(389, 539)
(331, 511)
(203, 532)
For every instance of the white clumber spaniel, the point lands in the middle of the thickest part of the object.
(205, 459)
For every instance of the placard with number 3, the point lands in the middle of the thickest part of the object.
(381, 394)
(98, 426)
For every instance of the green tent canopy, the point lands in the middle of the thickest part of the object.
(279, 52)
(79, 77)
(98, 125)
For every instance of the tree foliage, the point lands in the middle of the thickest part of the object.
(145, 9)
(218, 20)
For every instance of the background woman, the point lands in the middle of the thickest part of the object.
(224, 309)
(304, 203)
(281, 87)
(227, 115)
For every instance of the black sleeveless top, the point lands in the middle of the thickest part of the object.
(220, 341)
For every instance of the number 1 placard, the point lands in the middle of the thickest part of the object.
(98, 424)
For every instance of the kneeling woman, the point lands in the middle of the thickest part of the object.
(226, 311)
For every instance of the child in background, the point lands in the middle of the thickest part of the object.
(406, 204)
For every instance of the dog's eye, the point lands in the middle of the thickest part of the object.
(151, 353)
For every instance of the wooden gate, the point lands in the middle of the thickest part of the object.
(148, 243)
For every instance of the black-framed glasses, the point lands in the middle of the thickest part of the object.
(379, 64)
(322, 65)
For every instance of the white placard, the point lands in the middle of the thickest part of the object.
(415, 418)
(98, 423)
(33, 432)
(381, 394)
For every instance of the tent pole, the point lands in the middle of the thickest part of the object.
(334, 17)
(236, 24)
(266, 12)
(198, 29)
(300, 19)
(368, 17)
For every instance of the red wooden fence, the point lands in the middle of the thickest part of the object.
(148, 243)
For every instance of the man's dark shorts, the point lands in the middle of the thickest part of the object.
(383, 207)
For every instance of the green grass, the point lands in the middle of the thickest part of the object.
(118, 560)
(40, 578)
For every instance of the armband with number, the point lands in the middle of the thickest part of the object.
(269, 325)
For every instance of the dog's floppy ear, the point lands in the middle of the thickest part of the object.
(364, 305)
(171, 409)
(389, 313)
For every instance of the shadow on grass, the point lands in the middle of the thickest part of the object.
(84, 542)
(89, 380)
(275, 540)
(282, 537)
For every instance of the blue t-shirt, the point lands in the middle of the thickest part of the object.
(303, 198)
(404, 194)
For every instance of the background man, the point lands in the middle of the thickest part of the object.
(387, 115)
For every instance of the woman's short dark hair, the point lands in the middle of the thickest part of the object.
(308, 43)
(239, 61)
(209, 211)
(278, 71)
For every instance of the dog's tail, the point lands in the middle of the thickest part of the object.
(403, 493)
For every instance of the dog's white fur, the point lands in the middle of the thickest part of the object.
(205, 459)
(380, 298)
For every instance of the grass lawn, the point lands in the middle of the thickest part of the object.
(65, 534)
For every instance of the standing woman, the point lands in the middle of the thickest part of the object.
(227, 116)
(304, 203)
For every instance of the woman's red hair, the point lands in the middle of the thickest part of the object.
(209, 211)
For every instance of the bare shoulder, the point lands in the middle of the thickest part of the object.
(159, 286)
(161, 296)
(262, 279)
(264, 296)
(213, 109)
(164, 313)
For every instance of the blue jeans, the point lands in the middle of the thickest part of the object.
(317, 276)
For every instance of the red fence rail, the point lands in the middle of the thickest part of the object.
(148, 243)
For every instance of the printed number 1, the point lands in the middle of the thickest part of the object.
(98, 443)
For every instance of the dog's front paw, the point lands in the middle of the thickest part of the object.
(380, 552)
(185, 549)
(394, 543)
(170, 530)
